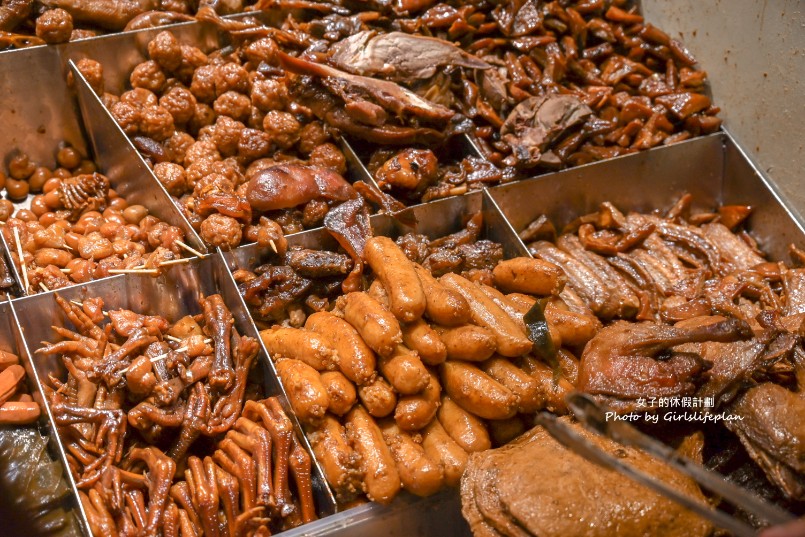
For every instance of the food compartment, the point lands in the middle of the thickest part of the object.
(373, 387)
(712, 169)
(67, 217)
(31, 475)
(224, 151)
(189, 408)
(683, 249)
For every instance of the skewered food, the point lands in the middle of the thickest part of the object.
(79, 229)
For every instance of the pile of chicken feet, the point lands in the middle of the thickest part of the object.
(165, 432)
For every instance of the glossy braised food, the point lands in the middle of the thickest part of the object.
(398, 380)
(78, 228)
(165, 430)
(536, 86)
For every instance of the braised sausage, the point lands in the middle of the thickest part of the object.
(414, 412)
(338, 460)
(307, 394)
(469, 342)
(466, 429)
(418, 473)
(19, 412)
(504, 431)
(442, 305)
(381, 480)
(520, 383)
(355, 359)
(553, 390)
(340, 391)
(529, 275)
(378, 397)
(299, 344)
(476, 392)
(8, 359)
(396, 273)
(423, 339)
(9, 378)
(376, 325)
(404, 371)
(511, 339)
(441, 448)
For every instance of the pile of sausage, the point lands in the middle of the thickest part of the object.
(398, 383)
(164, 431)
(17, 407)
(78, 228)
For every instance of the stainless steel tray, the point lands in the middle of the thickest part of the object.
(172, 296)
(712, 168)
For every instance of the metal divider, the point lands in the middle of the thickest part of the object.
(184, 284)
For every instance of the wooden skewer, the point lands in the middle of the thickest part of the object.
(22, 258)
(183, 348)
(66, 270)
(189, 249)
(172, 338)
(44, 287)
(273, 245)
(134, 271)
(181, 261)
(81, 305)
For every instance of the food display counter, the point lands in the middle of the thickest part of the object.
(294, 267)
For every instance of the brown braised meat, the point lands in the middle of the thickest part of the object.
(536, 486)
(166, 435)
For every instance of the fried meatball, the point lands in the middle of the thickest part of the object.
(282, 127)
(192, 59)
(262, 50)
(176, 146)
(311, 136)
(181, 104)
(233, 104)
(54, 26)
(140, 97)
(201, 151)
(226, 135)
(93, 72)
(165, 50)
(127, 116)
(253, 144)
(270, 94)
(222, 231)
(157, 123)
(231, 77)
(148, 75)
(329, 156)
(203, 84)
(172, 176)
(203, 115)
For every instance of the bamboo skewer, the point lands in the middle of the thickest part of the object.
(22, 258)
(189, 249)
(134, 271)
(81, 305)
(183, 348)
(181, 261)
(273, 245)
(44, 287)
